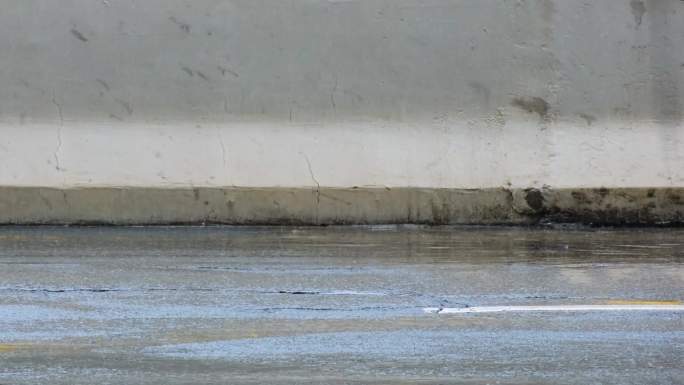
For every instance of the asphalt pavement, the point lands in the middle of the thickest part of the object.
(337, 305)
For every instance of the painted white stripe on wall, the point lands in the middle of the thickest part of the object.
(454, 155)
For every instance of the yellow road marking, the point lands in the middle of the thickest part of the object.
(6, 348)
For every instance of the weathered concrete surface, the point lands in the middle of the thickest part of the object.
(325, 60)
(437, 94)
(220, 305)
(326, 206)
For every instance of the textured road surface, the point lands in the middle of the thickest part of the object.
(337, 305)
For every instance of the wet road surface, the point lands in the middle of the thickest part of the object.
(340, 305)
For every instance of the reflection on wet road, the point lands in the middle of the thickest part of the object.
(340, 305)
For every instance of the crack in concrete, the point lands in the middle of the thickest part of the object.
(64, 197)
(332, 97)
(59, 133)
(313, 177)
(365, 308)
(99, 290)
(223, 148)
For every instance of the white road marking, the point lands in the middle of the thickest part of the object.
(553, 308)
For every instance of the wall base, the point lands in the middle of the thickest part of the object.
(330, 206)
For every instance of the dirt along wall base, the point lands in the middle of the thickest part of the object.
(330, 206)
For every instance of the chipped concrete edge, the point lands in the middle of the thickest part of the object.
(340, 206)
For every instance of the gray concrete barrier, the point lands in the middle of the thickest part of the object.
(124, 106)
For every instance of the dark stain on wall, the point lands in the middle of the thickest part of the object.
(590, 119)
(663, 51)
(638, 11)
(78, 35)
(535, 199)
(183, 26)
(532, 105)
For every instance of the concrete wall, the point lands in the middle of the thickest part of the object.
(342, 94)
